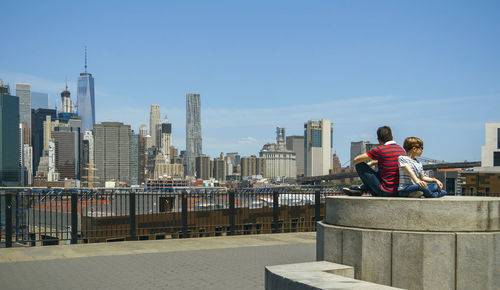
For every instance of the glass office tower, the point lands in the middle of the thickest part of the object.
(86, 101)
(9, 141)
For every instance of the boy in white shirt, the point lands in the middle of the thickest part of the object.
(412, 180)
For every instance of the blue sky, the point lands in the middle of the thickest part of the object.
(426, 68)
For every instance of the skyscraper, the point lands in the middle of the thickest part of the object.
(280, 162)
(86, 99)
(23, 91)
(143, 131)
(193, 132)
(38, 118)
(165, 138)
(318, 145)
(154, 119)
(112, 152)
(134, 159)
(66, 103)
(67, 142)
(9, 141)
(296, 144)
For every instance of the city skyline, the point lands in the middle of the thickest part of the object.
(362, 65)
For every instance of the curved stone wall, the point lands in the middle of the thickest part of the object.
(446, 243)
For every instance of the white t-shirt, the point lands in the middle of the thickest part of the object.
(412, 164)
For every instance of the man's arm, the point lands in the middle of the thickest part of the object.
(361, 158)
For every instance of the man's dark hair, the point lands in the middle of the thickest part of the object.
(384, 134)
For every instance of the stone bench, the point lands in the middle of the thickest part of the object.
(315, 275)
(445, 243)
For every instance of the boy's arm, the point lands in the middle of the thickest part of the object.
(413, 176)
(428, 179)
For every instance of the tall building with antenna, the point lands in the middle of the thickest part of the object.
(86, 98)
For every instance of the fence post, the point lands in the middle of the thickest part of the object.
(131, 208)
(232, 213)
(275, 211)
(8, 220)
(317, 206)
(184, 215)
(74, 217)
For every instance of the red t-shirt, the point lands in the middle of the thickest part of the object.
(387, 157)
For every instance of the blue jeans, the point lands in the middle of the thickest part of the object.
(371, 180)
(431, 190)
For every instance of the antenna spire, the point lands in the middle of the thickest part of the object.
(85, 59)
(66, 83)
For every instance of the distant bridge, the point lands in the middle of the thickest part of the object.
(343, 175)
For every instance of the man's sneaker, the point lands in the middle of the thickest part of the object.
(415, 194)
(352, 191)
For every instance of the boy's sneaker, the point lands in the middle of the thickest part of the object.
(415, 194)
(352, 191)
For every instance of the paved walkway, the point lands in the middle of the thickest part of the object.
(235, 262)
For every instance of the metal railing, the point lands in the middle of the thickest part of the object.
(32, 217)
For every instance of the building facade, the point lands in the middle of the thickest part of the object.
(23, 91)
(154, 120)
(38, 117)
(193, 133)
(280, 162)
(296, 144)
(86, 100)
(252, 165)
(318, 147)
(165, 138)
(9, 141)
(490, 152)
(203, 167)
(219, 168)
(67, 142)
(134, 159)
(112, 152)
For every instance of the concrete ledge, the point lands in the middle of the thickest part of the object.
(447, 214)
(445, 243)
(315, 275)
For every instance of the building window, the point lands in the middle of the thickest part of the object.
(496, 158)
(316, 138)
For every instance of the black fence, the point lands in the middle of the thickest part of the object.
(32, 217)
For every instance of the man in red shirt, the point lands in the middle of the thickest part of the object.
(385, 181)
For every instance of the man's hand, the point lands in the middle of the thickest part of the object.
(440, 184)
(422, 183)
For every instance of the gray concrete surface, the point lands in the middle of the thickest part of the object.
(315, 275)
(424, 260)
(236, 262)
(447, 214)
(476, 255)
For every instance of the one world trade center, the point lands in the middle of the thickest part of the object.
(86, 99)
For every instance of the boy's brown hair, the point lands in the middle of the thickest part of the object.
(411, 142)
